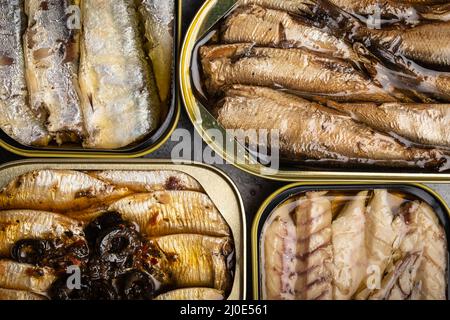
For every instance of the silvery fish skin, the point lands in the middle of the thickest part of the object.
(17, 276)
(119, 97)
(172, 212)
(314, 269)
(293, 69)
(308, 130)
(148, 181)
(349, 247)
(158, 17)
(51, 56)
(420, 123)
(58, 191)
(16, 118)
(196, 260)
(192, 294)
(27, 224)
(267, 27)
(18, 295)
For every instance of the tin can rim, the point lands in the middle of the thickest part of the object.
(257, 219)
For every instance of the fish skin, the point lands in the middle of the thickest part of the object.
(279, 260)
(18, 295)
(420, 123)
(192, 294)
(58, 191)
(314, 264)
(267, 27)
(422, 43)
(119, 97)
(158, 17)
(149, 180)
(196, 260)
(310, 131)
(51, 59)
(16, 118)
(425, 233)
(28, 224)
(349, 247)
(173, 212)
(292, 6)
(293, 69)
(25, 277)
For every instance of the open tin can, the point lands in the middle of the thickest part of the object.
(322, 240)
(206, 29)
(151, 143)
(216, 185)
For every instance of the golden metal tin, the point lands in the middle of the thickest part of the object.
(145, 147)
(208, 15)
(217, 185)
(283, 194)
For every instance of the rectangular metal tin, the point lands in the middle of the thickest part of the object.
(149, 145)
(207, 16)
(217, 185)
(429, 195)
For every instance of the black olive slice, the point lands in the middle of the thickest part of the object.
(117, 244)
(30, 251)
(98, 225)
(136, 285)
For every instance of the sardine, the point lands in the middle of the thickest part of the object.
(293, 6)
(17, 295)
(267, 27)
(17, 276)
(119, 99)
(293, 69)
(28, 224)
(420, 123)
(158, 17)
(421, 44)
(308, 130)
(349, 248)
(425, 230)
(197, 260)
(380, 236)
(192, 294)
(280, 247)
(58, 191)
(393, 11)
(16, 118)
(148, 181)
(173, 212)
(314, 264)
(51, 45)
